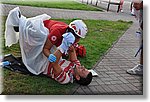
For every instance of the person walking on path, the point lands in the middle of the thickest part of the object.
(138, 69)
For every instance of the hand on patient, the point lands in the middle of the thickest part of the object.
(68, 40)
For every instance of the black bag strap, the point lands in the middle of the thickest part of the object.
(16, 64)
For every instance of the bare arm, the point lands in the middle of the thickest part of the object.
(46, 49)
(72, 54)
(58, 54)
(56, 66)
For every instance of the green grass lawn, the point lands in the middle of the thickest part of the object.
(60, 4)
(101, 35)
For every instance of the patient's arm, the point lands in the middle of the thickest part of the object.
(72, 54)
(58, 54)
(56, 66)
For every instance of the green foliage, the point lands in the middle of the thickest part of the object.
(16, 83)
(61, 4)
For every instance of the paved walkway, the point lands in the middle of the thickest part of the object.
(112, 78)
(63, 13)
(112, 8)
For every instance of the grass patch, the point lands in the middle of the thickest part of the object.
(101, 35)
(16, 83)
(60, 4)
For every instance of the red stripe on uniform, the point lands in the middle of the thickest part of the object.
(77, 62)
(68, 67)
(60, 76)
(63, 78)
(74, 60)
(62, 62)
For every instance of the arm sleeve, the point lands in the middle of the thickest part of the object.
(77, 62)
(54, 36)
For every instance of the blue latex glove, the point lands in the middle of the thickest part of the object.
(52, 58)
(68, 40)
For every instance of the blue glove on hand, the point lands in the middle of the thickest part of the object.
(52, 58)
(68, 40)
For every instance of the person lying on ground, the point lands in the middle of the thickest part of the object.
(65, 71)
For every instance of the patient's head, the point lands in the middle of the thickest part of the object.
(82, 75)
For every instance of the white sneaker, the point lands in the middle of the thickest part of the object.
(137, 70)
